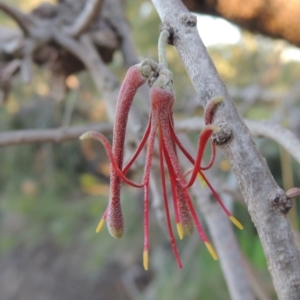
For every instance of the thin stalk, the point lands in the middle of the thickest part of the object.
(162, 44)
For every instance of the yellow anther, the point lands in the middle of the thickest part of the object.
(211, 250)
(146, 260)
(180, 230)
(202, 181)
(100, 225)
(236, 222)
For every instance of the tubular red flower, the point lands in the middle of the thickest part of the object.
(133, 80)
(161, 99)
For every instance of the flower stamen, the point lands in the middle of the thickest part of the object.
(100, 225)
(211, 250)
(179, 230)
(146, 260)
(236, 222)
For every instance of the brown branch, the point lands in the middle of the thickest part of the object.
(57, 135)
(85, 19)
(266, 202)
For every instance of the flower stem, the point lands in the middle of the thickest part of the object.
(162, 44)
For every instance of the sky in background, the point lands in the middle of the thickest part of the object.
(215, 31)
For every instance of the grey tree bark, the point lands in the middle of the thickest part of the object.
(266, 201)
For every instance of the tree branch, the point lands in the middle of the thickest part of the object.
(57, 135)
(120, 24)
(284, 137)
(23, 20)
(266, 202)
(85, 19)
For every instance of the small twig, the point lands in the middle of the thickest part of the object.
(57, 135)
(26, 66)
(85, 19)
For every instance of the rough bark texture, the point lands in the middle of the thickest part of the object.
(267, 203)
(274, 18)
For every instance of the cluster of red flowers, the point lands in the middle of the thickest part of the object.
(160, 123)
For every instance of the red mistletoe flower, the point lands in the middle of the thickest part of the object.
(160, 123)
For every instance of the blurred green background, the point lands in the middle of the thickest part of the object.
(52, 196)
